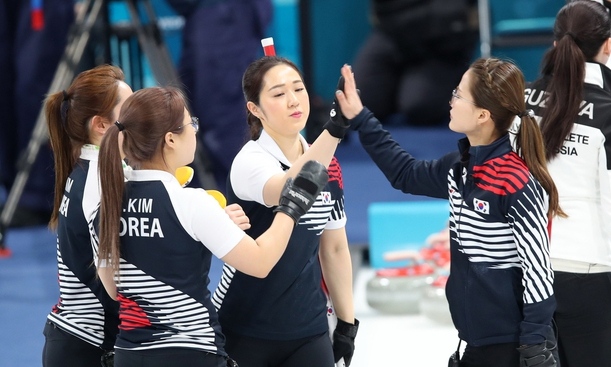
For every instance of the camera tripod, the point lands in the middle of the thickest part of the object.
(144, 25)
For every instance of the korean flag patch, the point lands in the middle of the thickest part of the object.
(481, 206)
(326, 197)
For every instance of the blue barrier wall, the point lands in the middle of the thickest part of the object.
(338, 30)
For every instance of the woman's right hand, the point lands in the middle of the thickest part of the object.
(349, 100)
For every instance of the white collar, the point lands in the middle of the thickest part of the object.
(266, 142)
(594, 74)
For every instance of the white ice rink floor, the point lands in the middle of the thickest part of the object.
(398, 340)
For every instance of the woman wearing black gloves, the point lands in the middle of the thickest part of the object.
(156, 238)
(282, 320)
(500, 287)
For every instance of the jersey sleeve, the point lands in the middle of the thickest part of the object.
(250, 170)
(604, 176)
(529, 223)
(203, 218)
(402, 170)
(337, 217)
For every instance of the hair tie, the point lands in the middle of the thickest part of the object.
(572, 35)
(63, 109)
(119, 126)
(529, 113)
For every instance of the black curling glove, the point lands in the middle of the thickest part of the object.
(343, 340)
(536, 355)
(337, 125)
(299, 194)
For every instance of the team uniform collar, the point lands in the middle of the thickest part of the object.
(90, 152)
(270, 145)
(151, 175)
(598, 74)
(482, 153)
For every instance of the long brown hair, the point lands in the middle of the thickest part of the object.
(252, 85)
(498, 86)
(146, 116)
(68, 113)
(580, 30)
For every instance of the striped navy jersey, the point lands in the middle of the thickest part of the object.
(289, 303)
(582, 173)
(168, 235)
(500, 284)
(84, 309)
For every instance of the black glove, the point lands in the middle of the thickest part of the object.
(108, 359)
(536, 355)
(299, 194)
(343, 340)
(337, 125)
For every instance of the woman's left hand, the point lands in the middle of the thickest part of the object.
(349, 99)
(237, 215)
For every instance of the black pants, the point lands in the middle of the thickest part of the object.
(168, 357)
(495, 355)
(307, 352)
(63, 349)
(583, 318)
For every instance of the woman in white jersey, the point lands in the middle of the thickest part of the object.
(573, 101)
(82, 326)
(156, 238)
(282, 320)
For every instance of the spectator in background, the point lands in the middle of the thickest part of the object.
(33, 37)
(414, 57)
(220, 40)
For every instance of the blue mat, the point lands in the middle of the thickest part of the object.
(28, 290)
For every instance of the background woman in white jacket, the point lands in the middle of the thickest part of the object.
(573, 101)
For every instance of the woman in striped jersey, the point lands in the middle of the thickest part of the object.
(156, 238)
(282, 320)
(82, 326)
(573, 100)
(501, 200)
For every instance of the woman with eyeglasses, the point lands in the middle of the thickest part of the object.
(281, 321)
(572, 99)
(82, 326)
(155, 238)
(501, 200)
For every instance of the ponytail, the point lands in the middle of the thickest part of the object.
(57, 106)
(254, 125)
(112, 187)
(580, 30)
(529, 145)
(566, 65)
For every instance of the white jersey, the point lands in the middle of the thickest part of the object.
(581, 172)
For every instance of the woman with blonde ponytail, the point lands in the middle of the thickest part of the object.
(572, 100)
(500, 288)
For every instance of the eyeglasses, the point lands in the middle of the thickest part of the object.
(455, 95)
(194, 122)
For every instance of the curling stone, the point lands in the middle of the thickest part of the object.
(433, 303)
(398, 290)
(438, 255)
